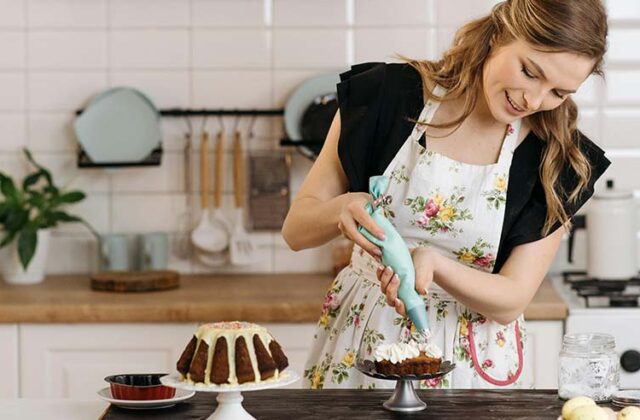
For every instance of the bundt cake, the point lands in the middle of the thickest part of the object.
(231, 353)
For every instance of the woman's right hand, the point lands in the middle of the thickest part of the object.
(354, 214)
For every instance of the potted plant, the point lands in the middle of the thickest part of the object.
(27, 214)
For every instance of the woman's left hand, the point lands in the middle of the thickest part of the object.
(424, 264)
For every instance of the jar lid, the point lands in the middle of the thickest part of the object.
(611, 193)
(626, 397)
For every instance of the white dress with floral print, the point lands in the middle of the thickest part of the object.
(458, 210)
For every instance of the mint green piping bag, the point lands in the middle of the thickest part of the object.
(396, 255)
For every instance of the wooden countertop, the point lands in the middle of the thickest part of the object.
(354, 404)
(254, 298)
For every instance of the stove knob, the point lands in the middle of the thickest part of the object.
(630, 361)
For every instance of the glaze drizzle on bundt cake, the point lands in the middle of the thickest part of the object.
(231, 353)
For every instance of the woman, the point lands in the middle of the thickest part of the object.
(487, 168)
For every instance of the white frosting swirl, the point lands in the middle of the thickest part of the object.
(431, 350)
(398, 352)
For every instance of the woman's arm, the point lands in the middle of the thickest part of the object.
(322, 202)
(501, 297)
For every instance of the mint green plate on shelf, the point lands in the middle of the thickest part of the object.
(119, 125)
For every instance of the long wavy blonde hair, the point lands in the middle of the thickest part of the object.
(576, 26)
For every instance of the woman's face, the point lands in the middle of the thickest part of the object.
(519, 80)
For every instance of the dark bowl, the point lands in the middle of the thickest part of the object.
(141, 386)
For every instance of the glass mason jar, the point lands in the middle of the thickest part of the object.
(588, 365)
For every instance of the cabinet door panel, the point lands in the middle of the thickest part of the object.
(9, 360)
(544, 339)
(71, 361)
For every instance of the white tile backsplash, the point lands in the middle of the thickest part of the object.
(63, 91)
(148, 13)
(51, 132)
(78, 50)
(12, 86)
(623, 87)
(231, 48)
(623, 45)
(12, 50)
(381, 44)
(12, 15)
(166, 89)
(309, 13)
(135, 212)
(67, 13)
(229, 13)
(309, 48)
(232, 89)
(149, 49)
(621, 128)
(56, 54)
(385, 13)
(623, 9)
(13, 129)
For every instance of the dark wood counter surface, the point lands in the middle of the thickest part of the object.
(360, 404)
(250, 297)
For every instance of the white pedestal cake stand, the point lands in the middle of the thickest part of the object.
(230, 396)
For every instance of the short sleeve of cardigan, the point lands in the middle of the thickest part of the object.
(528, 226)
(360, 93)
(377, 102)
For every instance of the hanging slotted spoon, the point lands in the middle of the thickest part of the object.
(241, 247)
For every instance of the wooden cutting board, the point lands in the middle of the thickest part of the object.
(135, 281)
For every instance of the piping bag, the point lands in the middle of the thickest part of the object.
(395, 254)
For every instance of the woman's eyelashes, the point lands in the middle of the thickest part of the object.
(530, 75)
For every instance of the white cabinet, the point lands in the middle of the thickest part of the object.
(544, 339)
(71, 360)
(9, 360)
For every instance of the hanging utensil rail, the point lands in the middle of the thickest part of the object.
(154, 158)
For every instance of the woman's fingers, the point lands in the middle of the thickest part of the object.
(364, 219)
(349, 229)
(391, 291)
(385, 274)
(400, 308)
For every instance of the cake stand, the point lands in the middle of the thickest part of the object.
(230, 396)
(404, 398)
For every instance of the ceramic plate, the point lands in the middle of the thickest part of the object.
(119, 125)
(181, 395)
(302, 97)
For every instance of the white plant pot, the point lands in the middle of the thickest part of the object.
(10, 265)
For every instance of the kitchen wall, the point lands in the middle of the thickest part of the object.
(56, 54)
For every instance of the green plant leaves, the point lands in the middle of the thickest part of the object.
(71, 197)
(27, 242)
(44, 172)
(8, 187)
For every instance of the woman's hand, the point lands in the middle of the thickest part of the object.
(424, 264)
(352, 215)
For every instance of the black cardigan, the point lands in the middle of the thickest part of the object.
(377, 99)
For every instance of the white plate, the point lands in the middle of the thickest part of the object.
(181, 395)
(287, 377)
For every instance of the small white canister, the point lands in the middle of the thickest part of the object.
(612, 235)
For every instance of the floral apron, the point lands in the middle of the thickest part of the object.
(458, 210)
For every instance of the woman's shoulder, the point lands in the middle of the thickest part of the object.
(393, 79)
